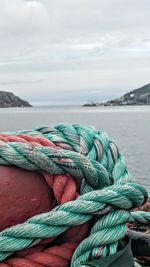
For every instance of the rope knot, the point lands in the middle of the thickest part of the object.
(92, 190)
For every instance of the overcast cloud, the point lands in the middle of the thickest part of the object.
(74, 49)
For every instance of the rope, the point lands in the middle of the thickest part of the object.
(137, 264)
(90, 182)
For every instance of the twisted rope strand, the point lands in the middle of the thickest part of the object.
(53, 161)
(107, 230)
(72, 213)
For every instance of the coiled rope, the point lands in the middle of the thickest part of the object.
(92, 188)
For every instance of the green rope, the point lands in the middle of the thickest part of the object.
(90, 156)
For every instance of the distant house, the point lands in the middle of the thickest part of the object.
(145, 98)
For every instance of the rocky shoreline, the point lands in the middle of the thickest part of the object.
(8, 99)
(140, 96)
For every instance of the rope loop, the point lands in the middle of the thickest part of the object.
(93, 191)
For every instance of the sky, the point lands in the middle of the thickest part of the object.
(73, 51)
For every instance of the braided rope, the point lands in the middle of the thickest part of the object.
(48, 257)
(74, 156)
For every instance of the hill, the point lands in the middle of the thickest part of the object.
(8, 99)
(140, 96)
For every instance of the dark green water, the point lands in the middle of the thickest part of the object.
(129, 127)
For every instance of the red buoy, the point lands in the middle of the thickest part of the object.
(23, 194)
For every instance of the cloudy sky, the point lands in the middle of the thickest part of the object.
(74, 50)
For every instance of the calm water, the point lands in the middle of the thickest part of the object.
(129, 127)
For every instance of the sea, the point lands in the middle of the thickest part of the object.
(127, 126)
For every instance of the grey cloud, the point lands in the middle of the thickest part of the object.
(19, 82)
(74, 44)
